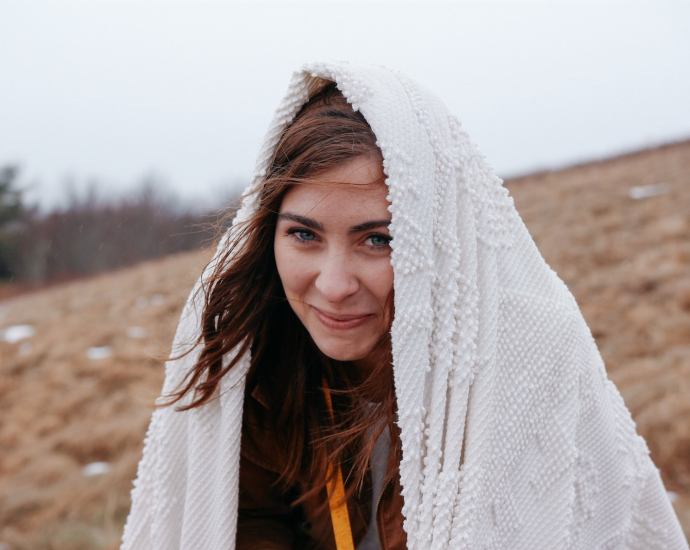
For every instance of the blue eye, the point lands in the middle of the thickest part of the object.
(302, 234)
(378, 241)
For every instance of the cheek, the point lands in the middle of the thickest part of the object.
(380, 281)
(291, 275)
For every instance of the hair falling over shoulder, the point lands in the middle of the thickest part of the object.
(245, 309)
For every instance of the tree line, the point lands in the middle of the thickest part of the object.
(91, 234)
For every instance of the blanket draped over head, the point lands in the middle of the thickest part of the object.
(512, 435)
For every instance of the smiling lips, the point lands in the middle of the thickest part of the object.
(340, 322)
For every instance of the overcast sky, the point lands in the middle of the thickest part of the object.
(119, 90)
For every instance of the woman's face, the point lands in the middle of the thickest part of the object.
(332, 250)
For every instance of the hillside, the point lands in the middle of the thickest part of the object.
(61, 410)
(79, 392)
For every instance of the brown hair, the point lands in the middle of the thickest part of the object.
(246, 309)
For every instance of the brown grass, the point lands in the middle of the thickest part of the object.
(60, 410)
(626, 261)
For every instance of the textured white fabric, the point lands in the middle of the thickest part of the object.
(512, 435)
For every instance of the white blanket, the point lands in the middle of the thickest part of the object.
(512, 435)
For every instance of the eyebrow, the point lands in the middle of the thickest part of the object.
(366, 226)
(308, 222)
(318, 226)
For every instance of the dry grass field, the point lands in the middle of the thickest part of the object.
(62, 408)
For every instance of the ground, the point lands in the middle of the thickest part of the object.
(626, 261)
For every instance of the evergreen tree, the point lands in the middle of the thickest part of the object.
(11, 210)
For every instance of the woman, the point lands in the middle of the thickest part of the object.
(500, 429)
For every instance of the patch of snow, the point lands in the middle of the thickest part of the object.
(100, 352)
(95, 469)
(17, 333)
(137, 332)
(644, 191)
(154, 300)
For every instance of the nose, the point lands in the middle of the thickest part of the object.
(337, 279)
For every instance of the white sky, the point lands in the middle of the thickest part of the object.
(115, 91)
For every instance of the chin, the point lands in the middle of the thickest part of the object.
(343, 355)
(343, 352)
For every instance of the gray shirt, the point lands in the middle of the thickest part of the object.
(379, 461)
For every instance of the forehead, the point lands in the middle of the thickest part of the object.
(355, 191)
(337, 200)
